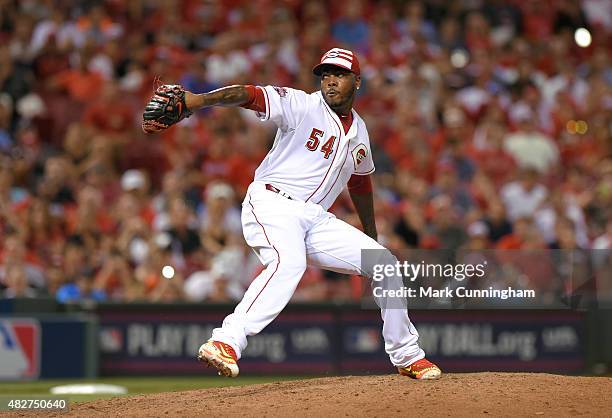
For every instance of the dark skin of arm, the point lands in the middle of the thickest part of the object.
(364, 205)
(338, 87)
(226, 96)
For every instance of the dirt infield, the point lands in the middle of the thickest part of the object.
(491, 394)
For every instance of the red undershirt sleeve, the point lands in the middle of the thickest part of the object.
(360, 184)
(257, 101)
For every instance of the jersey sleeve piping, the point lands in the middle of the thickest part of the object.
(365, 174)
(264, 116)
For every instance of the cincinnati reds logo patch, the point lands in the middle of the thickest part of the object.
(359, 154)
(282, 91)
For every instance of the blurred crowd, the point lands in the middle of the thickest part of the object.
(491, 128)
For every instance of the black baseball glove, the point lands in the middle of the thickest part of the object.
(166, 107)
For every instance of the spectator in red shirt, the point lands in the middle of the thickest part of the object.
(110, 113)
(80, 83)
(491, 156)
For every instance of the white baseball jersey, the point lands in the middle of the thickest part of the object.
(312, 158)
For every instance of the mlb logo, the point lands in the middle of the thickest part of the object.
(111, 340)
(363, 340)
(19, 349)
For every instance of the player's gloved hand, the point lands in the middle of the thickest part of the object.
(166, 107)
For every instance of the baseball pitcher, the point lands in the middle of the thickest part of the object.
(321, 146)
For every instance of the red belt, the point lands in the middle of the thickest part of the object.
(275, 190)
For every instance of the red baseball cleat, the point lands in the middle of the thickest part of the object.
(422, 369)
(221, 356)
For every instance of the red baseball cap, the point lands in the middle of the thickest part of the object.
(340, 58)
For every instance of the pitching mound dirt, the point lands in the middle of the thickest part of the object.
(492, 394)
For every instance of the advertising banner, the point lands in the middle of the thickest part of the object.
(137, 343)
(346, 341)
(466, 341)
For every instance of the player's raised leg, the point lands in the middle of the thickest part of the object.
(335, 245)
(272, 228)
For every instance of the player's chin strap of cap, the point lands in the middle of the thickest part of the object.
(277, 190)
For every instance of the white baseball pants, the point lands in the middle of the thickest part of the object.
(288, 235)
